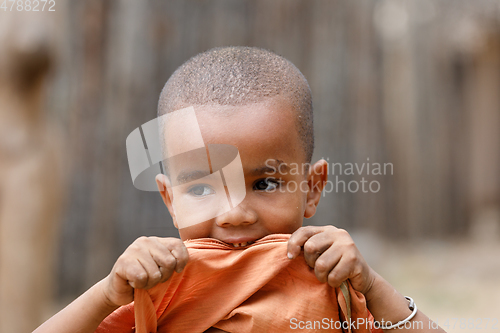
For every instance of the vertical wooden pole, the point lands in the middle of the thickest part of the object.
(30, 173)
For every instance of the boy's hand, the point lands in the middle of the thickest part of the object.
(333, 255)
(145, 263)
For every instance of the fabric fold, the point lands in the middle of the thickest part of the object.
(251, 289)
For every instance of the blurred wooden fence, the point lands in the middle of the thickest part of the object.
(412, 83)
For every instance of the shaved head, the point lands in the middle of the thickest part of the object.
(239, 76)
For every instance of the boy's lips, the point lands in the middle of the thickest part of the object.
(239, 241)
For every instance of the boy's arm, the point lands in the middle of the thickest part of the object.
(83, 314)
(386, 303)
(145, 263)
(335, 258)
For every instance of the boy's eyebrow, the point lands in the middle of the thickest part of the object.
(271, 168)
(187, 176)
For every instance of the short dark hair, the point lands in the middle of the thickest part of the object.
(240, 75)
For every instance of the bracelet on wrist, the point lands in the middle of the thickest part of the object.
(412, 306)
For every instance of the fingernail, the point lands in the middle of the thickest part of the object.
(289, 255)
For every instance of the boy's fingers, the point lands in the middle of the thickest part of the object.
(164, 261)
(133, 272)
(339, 273)
(167, 270)
(169, 255)
(152, 269)
(148, 253)
(327, 262)
(298, 239)
(178, 250)
(147, 262)
(315, 246)
(136, 256)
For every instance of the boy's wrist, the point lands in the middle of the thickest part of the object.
(103, 296)
(373, 289)
(385, 302)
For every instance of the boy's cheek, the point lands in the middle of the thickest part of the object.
(284, 219)
(200, 230)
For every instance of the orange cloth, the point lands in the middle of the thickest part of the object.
(254, 289)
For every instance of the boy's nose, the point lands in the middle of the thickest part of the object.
(239, 215)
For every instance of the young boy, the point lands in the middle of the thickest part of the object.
(260, 103)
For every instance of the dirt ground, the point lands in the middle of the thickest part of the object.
(456, 283)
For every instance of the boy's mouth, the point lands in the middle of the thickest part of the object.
(238, 242)
(242, 244)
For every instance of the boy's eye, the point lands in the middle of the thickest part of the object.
(201, 190)
(267, 184)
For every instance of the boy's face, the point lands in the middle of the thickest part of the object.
(266, 136)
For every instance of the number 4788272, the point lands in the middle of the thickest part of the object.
(28, 5)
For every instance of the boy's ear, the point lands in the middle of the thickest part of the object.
(165, 190)
(316, 179)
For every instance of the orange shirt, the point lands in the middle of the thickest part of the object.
(251, 289)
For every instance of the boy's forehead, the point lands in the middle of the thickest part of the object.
(268, 127)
